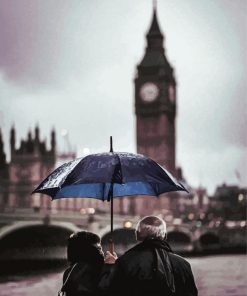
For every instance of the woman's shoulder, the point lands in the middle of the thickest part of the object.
(74, 269)
(66, 273)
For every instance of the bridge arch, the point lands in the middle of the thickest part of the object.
(180, 239)
(209, 241)
(35, 240)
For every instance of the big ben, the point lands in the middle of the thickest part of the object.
(155, 101)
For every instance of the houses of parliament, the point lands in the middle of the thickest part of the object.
(155, 111)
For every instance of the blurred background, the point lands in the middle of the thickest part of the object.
(166, 79)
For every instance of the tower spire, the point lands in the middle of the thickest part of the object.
(154, 5)
(154, 28)
(154, 35)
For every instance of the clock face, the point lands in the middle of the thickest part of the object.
(149, 92)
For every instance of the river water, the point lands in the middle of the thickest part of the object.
(220, 275)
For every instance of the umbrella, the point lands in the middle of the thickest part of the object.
(105, 176)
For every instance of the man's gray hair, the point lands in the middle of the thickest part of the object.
(151, 227)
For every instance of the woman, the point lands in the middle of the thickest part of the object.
(86, 259)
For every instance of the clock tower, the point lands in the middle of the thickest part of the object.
(155, 101)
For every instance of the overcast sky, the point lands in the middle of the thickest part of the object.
(71, 64)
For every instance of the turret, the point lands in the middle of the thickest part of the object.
(36, 140)
(2, 154)
(29, 142)
(36, 134)
(29, 136)
(12, 141)
(53, 141)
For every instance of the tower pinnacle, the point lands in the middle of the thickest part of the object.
(154, 28)
(154, 4)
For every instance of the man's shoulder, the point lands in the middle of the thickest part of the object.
(178, 260)
(133, 251)
(136, 253)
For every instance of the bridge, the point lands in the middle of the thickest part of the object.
(25, 234)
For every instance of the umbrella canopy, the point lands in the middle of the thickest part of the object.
(107, 175)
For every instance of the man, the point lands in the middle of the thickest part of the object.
(149, 268)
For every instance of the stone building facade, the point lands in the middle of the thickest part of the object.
(29, 163)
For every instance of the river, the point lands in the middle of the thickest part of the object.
(219, 275)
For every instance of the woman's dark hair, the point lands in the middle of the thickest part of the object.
(82, 247)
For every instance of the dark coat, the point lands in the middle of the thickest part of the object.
(83, 280)
(149, 269)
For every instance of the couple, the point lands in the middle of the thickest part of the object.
(150, 268)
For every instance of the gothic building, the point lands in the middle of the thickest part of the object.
(31, 162)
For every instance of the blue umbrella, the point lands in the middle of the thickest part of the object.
(105, 176)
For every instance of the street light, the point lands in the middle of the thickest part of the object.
(240, 197)
(128, 224)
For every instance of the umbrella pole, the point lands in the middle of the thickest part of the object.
(111, 243)
(112, 216)
(111, 192)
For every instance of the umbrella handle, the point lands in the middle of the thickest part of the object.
(111, 246)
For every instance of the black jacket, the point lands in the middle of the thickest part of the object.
(83, 280)
(149, 269)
